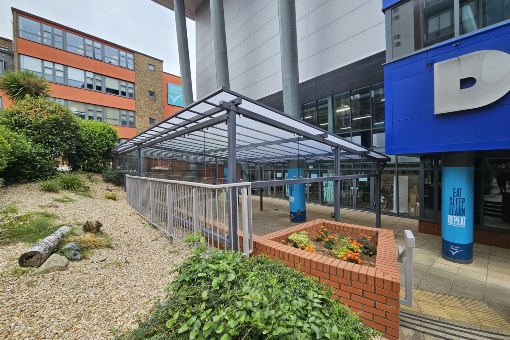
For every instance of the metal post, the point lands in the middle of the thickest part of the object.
(139, 172)
(195, 210)
(337, 188)
(170, 214)
(377, 198)
(289, 56)
(232, 178)
(407, 252)
(246, 237)
(220, 43)
(151, 200)
(182, 45)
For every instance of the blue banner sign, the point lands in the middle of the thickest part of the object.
(458, 213)
(175, 95)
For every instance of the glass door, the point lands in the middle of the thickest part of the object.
(347, 191)
(363, 193)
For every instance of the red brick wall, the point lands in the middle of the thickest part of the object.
(371, 292)
(482, 236)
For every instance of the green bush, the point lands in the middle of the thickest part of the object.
(71, 182)
(50, 186)
(113, 176)
(226, 295)
(27, 161)
(5, 150)
(94, 146)
(299, 239)
(110, 195)
(45, 122)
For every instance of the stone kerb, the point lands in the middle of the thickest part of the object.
(371, 292)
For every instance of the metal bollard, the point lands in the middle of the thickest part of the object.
(407, 251)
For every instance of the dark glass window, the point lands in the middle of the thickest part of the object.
(123, 88)
(111, 85)
(111, 55)
(29, 29)
(152, 94)
(152, 121)
(90, 80)
(99, 82)
(310, 113)
(342, 113)
(47, 35)
(75, 77)
(74, 43)
(378, 105)
(360, 109)
(323, 113)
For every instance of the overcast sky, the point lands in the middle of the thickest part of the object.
(141, 25)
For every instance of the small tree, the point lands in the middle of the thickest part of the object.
(94, 146)
(45, 122)
(17, 85)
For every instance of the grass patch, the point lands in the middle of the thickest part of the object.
(32, 283)
(28, 228)
(89, 241)
(84, 193)
(50, 186)
(110, 195)
(10, 209)
(65, 199)
(18, 271)
(70, 182)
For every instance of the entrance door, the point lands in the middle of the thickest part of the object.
(347, 192)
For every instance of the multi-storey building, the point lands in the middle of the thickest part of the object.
(98, 79)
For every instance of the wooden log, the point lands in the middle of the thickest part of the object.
(39, 252)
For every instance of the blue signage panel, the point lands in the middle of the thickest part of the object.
(297, 198)
(388, 3)
(411, 125)
(458, 213)
(175, 95)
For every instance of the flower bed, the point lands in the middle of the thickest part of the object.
(373, 292)
(355, 249)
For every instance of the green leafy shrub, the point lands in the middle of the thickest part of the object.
(300, 239)
(110, 195)
(94, 146)
(92, 227)
(226, 295)
(27, 161)
(5, 150)
(51, 185)
(113, 176)
(17, 85)
(46, 123)
(71, 182)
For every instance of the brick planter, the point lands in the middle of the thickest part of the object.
(371, 292)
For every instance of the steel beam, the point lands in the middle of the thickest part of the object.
(337, 188)
(220, 43)
(232, 178)
(182, 46)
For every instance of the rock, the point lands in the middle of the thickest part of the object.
(54, 263)
(71, 251)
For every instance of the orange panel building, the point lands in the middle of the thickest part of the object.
(97, 79)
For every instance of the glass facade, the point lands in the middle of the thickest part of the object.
(41, 33)
(99, 113)
(75, 77)
(416, 24)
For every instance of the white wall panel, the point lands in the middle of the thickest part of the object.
(331, 34)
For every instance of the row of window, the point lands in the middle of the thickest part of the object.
(68, 75)
(54, 37)
(110, 115)
(436, 21)
(358, 112)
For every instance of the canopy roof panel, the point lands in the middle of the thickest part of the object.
(263, 134)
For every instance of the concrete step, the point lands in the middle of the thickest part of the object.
(418, 326)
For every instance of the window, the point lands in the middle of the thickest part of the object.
(152, 94)
(130, 62)
(48, 70)
(111, 55)
(31, 64)
(90, 80)
(90, 112)
(323, 113)
(100, 113)
(360, 109)
(131, 118)
(2, 67)
(342, 113)
(151, 67)
(152, 121)
(98, 52)
(99, 82)
(75, 77)
(378, 105)
(131, 90)
(112, 116)
(111, 85)
(310, 113)
(47, 35)
(123, 88)
(59, 73)
(58, 38)
(89, 48)
(29, 29)
(77, 108)
(123, 59)
(1, 103)
(74, 43)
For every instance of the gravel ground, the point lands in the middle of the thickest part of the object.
(95, 298)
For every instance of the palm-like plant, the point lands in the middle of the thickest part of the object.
(17, 85)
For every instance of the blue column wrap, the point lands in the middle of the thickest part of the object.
(297, 197)
(458, 213)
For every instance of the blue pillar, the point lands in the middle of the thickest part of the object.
(458, 207)
(297, 197)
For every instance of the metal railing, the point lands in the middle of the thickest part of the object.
(180, 208)
(407, 252)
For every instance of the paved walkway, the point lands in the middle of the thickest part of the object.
(477, 293)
